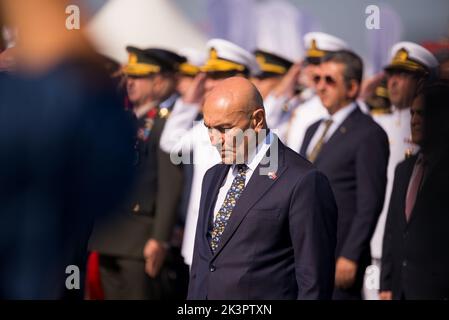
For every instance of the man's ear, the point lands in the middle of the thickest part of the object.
(258, 120)
(353, 89)
(157, 81)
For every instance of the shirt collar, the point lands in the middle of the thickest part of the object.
(257, 156)
(169, 102)
(340, 116)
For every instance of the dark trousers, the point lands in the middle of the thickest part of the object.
(125, 279)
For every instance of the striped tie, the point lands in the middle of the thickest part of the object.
(414, 186)
(317, 148)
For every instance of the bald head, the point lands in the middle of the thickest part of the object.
(234, 108)
(233, 95)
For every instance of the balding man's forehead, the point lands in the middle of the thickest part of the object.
(232, 97)
(227, 118)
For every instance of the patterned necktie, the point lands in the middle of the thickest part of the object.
(317, 148)
(223, 215)
(414, 185)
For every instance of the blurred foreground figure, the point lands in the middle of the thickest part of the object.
(67, 151)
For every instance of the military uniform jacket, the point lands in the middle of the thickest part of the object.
(139, 218)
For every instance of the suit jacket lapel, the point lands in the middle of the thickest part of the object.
(308, 137)
(432, 169)
(340, 133)
(255, 189)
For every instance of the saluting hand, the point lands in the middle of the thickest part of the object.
(369, 85)
(288, 83)
(195, 92)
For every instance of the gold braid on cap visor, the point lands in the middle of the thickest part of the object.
(216, 64)
(135, 68)
(269, 67)
(140, 69)
(188, 69)
(401, 60)
(314, 52)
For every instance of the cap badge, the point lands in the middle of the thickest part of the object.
(132, 58)
(401, 55)
(213, 54)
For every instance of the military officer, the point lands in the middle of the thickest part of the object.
(291, 109)
(272, 68)
(135, 261)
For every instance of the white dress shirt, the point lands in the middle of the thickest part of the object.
(252, 163)
(337, 119)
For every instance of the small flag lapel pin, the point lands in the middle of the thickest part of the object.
(272, 175)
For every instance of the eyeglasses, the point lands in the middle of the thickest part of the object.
(327, 79)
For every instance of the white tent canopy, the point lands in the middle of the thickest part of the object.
(142, 23)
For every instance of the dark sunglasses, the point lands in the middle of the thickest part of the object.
(327, 79)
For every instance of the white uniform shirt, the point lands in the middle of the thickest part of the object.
(303, 117)
(397, 127)
(182, 134)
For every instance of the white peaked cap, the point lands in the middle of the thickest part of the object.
(229, 51)
(411, 56)
(194, 56)
(318, 43)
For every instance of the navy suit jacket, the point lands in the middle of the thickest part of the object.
(279, 242)
(355, 160)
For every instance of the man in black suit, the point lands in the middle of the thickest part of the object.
(352, 151)
(267, 220)
(415, 260)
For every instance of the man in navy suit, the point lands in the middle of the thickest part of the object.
(352, 151)
(267, 220)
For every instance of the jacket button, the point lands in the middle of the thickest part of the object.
(404, 263)
(212, 268)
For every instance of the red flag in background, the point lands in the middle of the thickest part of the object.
(94, 290)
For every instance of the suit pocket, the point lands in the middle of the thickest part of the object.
(265, 214)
